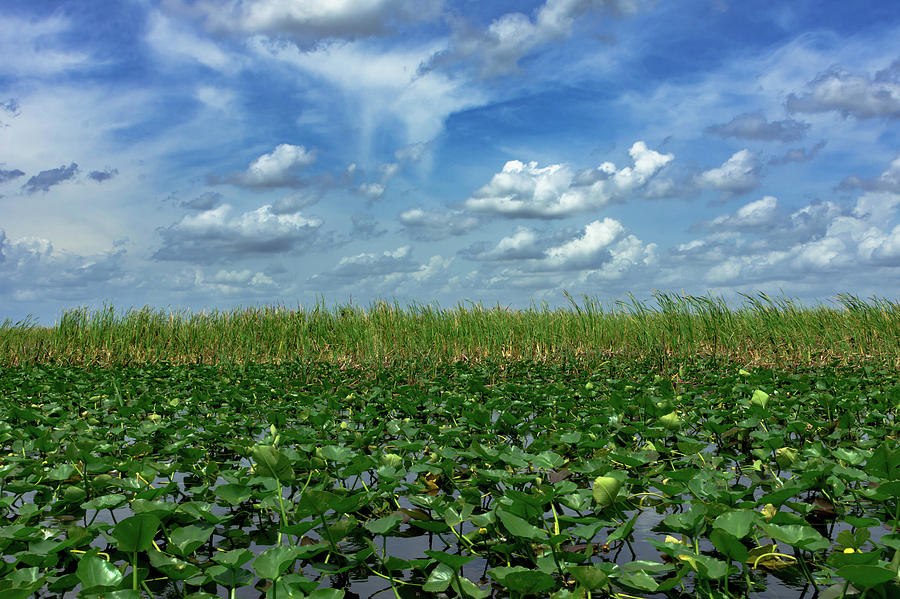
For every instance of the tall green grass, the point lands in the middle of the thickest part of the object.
(759, 330)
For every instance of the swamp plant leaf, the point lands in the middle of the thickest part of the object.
(95, 572)
(520, 527)
(439, 579)
(136, 533)
(606, 488)
(188, 538)
(272, 463)
(866, 576)
(736, 522)
(274, 561)
(590, 577)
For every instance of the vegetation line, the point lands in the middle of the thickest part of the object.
(762, 330)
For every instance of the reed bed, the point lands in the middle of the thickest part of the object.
(760, 330)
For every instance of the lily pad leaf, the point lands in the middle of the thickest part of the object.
(233, 494)
(136, 533)
(274, 561)
(272, 463)
(188, 538)
(639, 580)
(737, 523)
(383, 525)
(95, 572)
(797, 535)
(606, 488)
(520, 527)
(866, 576)
(439, 579)
(590, 577)
(528, 582)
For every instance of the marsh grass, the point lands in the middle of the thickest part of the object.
(761, 330)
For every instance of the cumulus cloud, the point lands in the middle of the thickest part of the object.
(104, 175)
(31, 268)
(426, 225)
(44, 180)
(753, 125)
(602, 253)
(889, 180)
(278, 168)
(798, 155)
(372, 191)
(294, 202)
(753, 215)
(523, 244)
(205, 201)
(9, 175)
(393, 272)
(588, 251)
(308, 22)
(498, 49)
(366, 264)
(757, 246)
(212, 236)
(528, 191)
(224, 282)
(851, 94)
(739, 174)
(365, 227)
(599, 244)
(241, 277)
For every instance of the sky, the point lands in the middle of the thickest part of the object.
(218, 154)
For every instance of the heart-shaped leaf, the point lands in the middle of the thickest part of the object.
(136, 533)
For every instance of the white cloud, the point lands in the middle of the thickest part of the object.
(31, 48)
(627, 257)
(852, 94)
(753, 125)
(367, 264)
(31, 268)
(212, 236)
(817, 239)
(222, 282)
(527, 191)
(275, 169)
(760, 213)
(511, 36)
(889, 180)
(603, 253)
(176, 41)
(308, 22)
(217, 98)
(586, 251)
(523, 244)
(739, 174)
(380, 88)
(413, 152)
(798, 155)
(426, 225)
(372, 191)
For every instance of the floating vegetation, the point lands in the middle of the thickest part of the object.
(488, 479)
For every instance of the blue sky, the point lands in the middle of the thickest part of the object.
(209, 154)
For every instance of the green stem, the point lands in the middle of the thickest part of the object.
(134, 576)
